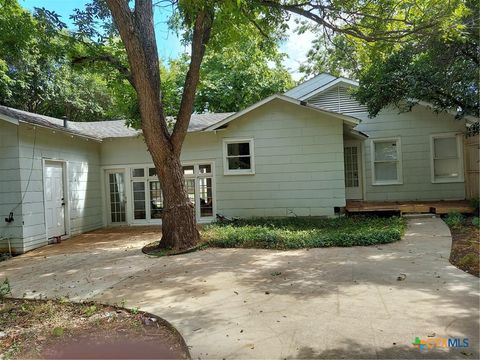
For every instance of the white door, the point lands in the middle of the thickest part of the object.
(353, 170)
(54, 199)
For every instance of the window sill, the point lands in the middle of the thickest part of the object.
(387, 183)
(447, 181)
(228, 173)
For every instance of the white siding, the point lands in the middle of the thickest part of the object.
(83, 174)
(10, 192)
(338, 99)
(298, 162)
(414, 129)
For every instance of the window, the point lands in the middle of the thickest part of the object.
(386, 161)
(238, 157)
(199, 180)
(446, 158)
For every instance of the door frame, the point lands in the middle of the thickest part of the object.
(106, 191)
(66, 196)
(361, 167)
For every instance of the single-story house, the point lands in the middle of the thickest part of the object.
(302, 153)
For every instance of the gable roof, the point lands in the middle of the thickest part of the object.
(310, 85)
(349, 120)
(98, 130)
(316, 86)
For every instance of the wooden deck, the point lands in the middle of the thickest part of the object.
(410, 207)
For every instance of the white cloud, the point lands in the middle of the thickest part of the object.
(296, 47)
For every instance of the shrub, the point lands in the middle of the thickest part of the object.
(454, 219)
(5, 288)
(295, 233)
(476, 221)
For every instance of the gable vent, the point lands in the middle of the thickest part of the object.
(337, 99)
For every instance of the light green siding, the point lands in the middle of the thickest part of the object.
(10, 191)
(83, 174)
(414, 129)
(298, 162)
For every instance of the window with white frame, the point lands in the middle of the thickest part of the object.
(446, 158)
(238, 156)
(386, 161)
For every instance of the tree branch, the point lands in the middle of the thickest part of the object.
(201, 36)
(106, 58)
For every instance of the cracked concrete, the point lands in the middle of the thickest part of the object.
(247, 303)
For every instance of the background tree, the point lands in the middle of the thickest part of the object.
(36, 73)
(438, 63)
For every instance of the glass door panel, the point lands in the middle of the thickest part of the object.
(116, 186)
(139, 208)
(156, 200)
(206, 197)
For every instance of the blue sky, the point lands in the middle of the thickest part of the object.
(169, 45)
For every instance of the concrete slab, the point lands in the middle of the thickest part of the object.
(246, 303)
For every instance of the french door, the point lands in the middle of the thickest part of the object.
(117, 196)
(147, 195)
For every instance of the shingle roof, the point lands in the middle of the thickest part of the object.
(310, 85)
(103, 129)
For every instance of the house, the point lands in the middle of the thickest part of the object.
(303, 153)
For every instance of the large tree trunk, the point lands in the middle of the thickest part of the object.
(137, 31)
(179, 230)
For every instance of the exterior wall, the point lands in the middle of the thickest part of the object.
(10, 191)
(298, 162)
(414, 129)
(83, 184)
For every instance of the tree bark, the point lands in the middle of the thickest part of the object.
(136, 29)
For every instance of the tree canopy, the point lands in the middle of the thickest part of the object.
(438, 65)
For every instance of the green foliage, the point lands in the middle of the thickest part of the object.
(454, 219)
(476, 221)
(435, 61)
(36, 73)
(5, 289)
(90, 310)
(295, 233)
(470, 260)
(58, 331)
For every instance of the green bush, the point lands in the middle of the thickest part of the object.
(476, 221)
(296, 233)
(454, 219)
(5, 288)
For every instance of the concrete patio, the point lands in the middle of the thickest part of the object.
(237, 303)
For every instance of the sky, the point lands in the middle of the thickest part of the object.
(168, 43)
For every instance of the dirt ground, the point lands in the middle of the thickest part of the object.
(58, 329)
(465, 252)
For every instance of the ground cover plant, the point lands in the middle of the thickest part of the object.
(304, 232)
(465, 252)
(56, 329)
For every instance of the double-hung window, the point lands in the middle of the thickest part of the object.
(446, 158)
(238, 157)
(386, 161)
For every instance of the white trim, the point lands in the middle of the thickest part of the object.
(127, 168)
(345, 118)
(106, 187)
(339, 80)
(226, 170)
(399, 180)
(459, 141)
(66, 197)
(8, 119)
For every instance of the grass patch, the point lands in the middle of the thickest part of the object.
(296, 233)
